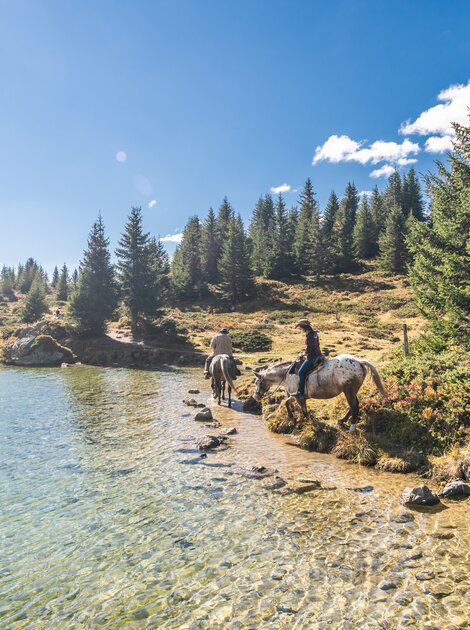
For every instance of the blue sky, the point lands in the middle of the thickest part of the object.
(211, 98)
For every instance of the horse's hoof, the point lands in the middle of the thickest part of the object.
(352, 428)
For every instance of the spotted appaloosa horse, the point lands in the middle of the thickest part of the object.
(223, 370)
(343, 374)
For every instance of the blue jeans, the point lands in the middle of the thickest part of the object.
(304, 368)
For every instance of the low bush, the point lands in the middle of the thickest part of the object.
(251, 341)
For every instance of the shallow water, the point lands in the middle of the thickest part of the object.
(111, 519)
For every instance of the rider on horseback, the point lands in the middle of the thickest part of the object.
(220, 344)
(311, 356)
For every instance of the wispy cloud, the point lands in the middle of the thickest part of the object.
(283, 188)
(172, 238)
(438, 119)
(344, 149)
(366, 193)
(438, 144)
(384, 171)
(152, 203)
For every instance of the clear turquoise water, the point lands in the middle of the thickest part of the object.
(110, 519)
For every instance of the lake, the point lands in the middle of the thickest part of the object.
(110, 518)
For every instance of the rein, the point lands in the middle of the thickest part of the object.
(280, 384)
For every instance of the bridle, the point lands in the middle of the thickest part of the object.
(280, 384)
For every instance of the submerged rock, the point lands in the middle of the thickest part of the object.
(207, 442)
(229, 431)
(314, 482)
(387, 586)
(191, 402)
(455, 489)
(205, 414)
(36, 350)
(193, 391)
(420, 495)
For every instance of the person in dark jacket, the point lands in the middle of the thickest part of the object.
(311, 354)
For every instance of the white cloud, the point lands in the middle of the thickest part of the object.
(152, 203)
(344, 149)
(366, 193)
(384, 171)
(438, 144)
(172, 238)
(406, 161)
(438, 119)
(121, 156)
(283, 188)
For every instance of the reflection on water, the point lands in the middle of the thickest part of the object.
(110, 519)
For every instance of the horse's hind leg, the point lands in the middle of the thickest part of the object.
(229, 396)
(353, 402)
(223, 390)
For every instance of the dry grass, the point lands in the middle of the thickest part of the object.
(355, 448)
(452, 466)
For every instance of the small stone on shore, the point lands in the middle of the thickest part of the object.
(204, 415)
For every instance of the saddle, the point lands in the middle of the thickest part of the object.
(295, 367)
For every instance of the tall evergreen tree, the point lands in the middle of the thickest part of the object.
(235, 268)
(134, 269)
(364, 231)
(412, 197)
(27, 274)
(55, 277)
(328, 217)
(63, 284)
(392, 257)
(187, 262)
(94, 297)
(377, 212)
(344, 228)
(160, 269)
(35, 304)
(262, 232)
(440, 272)
(283, 242)
(210, 248)
(393, 194)
(308, 246)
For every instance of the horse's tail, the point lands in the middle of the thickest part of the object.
(376, 376)
(226, 374)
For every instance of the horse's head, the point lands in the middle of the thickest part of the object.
(262, 384)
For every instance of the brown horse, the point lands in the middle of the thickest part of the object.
(343, 374)
(223, 371)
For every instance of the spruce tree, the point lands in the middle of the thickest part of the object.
(308, 246)
(62, 284)
(283, 242)
(412, 197)
(377, 212)
(291, 231)
(210, 248)
(235, 268)
(160, 268)
(187, 262)
(225, 214)
(7, 281)
(344, 228)
(27, 274)
(94, 297)
(134, 269)
(364, 231)
(328, 217)
(35, 304)
(262, 232)
(393, 194)
(440, 272)
(392, 247)
(55, 277)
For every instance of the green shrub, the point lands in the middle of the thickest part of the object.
(251, 341)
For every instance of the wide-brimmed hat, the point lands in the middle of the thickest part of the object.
(303, 323)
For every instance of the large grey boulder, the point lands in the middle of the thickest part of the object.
(421, 495)
(36, 350)
(455, 489)
(205, 414)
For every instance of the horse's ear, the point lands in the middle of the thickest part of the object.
(257, 371)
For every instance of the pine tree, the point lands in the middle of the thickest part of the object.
(134, 269)
(283, 242)
(440, 272)
(55, 277)
(35, 303)
(7, 281)
(393, 195)
(291, 231)
(344, 228)
(392, 247)
(27, 274)
(308, 246)
(235, 268)
(74, 277)
(329, 216)
(262, 232)
(210, 248)
(63, 284)
(412, 197)
(377, 212)
(187, 262)
(160, 268)
(364, 230)
(94, 297)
